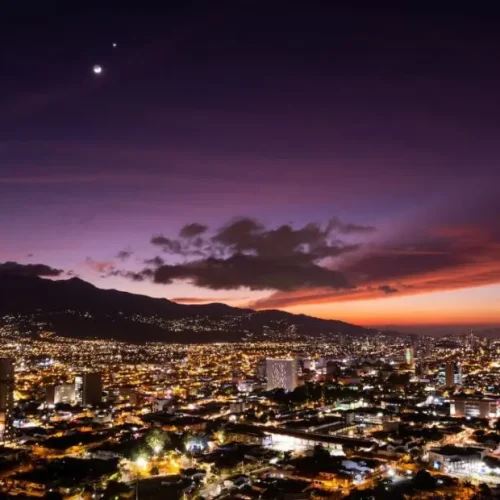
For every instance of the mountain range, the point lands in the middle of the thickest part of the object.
(75, 308)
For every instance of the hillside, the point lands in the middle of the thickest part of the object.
(76, 308)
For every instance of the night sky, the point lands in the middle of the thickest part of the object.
(332, 161)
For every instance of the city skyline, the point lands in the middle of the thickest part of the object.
(334, 162)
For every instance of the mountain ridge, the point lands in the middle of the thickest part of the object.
(76, 308)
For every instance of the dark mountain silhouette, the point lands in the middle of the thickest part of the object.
(76, 308)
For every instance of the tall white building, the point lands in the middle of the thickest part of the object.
(410, 357)
(61, 393)
(281, 373)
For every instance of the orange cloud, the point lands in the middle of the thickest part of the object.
(100, 266)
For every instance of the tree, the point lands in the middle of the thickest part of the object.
(53, 495)
(157, 439)
(424, 481)
(468, 486)
(115, 489)
(485, 492)
(321, 456)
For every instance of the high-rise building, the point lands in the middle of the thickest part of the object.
(6, 396)
(60, 393)
(281, 373)
(88, 388)
(79, 389)
(410, 357)
(450, 374)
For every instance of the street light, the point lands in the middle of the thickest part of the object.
(141, 462)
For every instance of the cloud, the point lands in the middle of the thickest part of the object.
(307, 244)
(253, 272)
(335, 224)
(40, 270)
(192, 230)
(167, 245)
(244, 253)
(447, 257)
(124, 255)
(101, 266)
(155, 261)
(201, 300)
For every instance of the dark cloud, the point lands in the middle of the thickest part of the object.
(308, 244)
(245, 253)
(155, 261)
(124, 255)
(18, 269)
(167, 245)
(459, 251)
(239, 235)
(335, 224)
(248, 236)
(254, 272)
(192, 230)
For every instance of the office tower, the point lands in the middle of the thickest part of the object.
(472, 341)
(458, 373)
(60, 393)
(452, 374)
(6, 396)
(88, 388)
(410, 357)
(281, 373)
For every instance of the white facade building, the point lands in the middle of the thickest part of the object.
(281, 373)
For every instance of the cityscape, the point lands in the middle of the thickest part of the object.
(249, 250)
(385, 415)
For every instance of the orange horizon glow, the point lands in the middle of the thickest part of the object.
(479, 306)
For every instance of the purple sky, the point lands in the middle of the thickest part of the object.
(283, 114)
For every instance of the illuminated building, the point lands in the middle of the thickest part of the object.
(88, 388)
(457, 459)
(410, 357)
(237, 407)
(79, 389)
(6, 396)
(60, 393)
(475, 406)
(450, 374)
(281, 374)
(371, 416)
